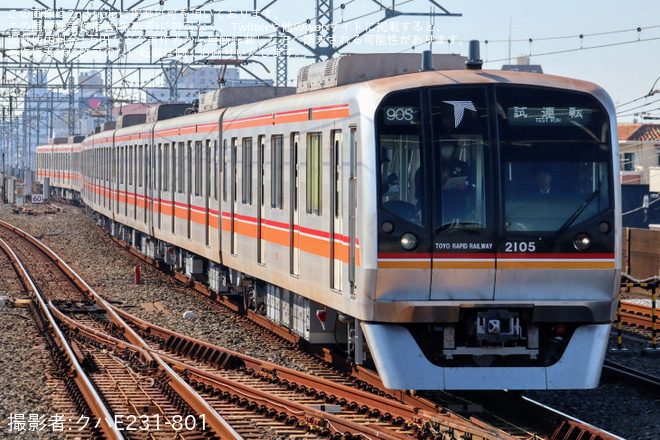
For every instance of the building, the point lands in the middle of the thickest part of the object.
(523, 65)
(639, 152)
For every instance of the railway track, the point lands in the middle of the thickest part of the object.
(478, 408)
(250, 395)
(646, 383)
(102, 379)
(116, 362)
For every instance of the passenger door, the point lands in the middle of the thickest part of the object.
(337, 249)
(294, 212)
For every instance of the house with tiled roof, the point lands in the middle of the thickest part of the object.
(639, 153)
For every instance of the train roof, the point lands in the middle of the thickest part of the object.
(234, 96)
(326, 81)
(351, 69)
(458, 77)
(129, 120)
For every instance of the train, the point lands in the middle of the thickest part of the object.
(456, 228)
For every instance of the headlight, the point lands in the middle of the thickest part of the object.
(409, 241)
(582, 242)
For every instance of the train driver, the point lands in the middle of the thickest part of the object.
(456, 182)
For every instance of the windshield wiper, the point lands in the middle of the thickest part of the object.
(460, 225)
(577, 212)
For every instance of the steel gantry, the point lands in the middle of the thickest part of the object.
(59, 56)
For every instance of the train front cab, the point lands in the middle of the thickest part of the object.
(484, 279)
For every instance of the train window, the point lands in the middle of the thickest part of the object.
(336, 170)
(122, 161)
(294, 171)
(277, 170)
(216, 169)
(113, 164)
(459, 121)
(188, 161)
(247, 170)
(261, 177)
(180, 166)
(314, 185)
(399, 156)
(106, 155)
(210, 170)
(189, 186)
(131, 164)
(140, 167)
(158, 170)
(555, 153)
(118, 167)
(136, 164)
(165, 168)
(224, 173)
(198, 168)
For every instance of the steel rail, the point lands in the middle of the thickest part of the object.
(202, 350)
(362, 374)
(414, 416)
(372, 391)
(369, 379)
(644, 382)
(289, 407)
(196, 402)
(85, 385)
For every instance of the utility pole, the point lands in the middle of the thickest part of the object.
(282, 59)
(324, 29)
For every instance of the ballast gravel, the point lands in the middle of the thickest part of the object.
(74, 236)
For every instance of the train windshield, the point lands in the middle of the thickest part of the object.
(553, 149)
(555, 154)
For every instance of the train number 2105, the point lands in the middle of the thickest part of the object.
(520, 246)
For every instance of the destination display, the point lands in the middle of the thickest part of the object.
(401, 115)
(559, 116)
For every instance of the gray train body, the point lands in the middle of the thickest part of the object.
(401, 215)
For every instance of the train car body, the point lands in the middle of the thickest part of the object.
(60, 163)
(465, 224)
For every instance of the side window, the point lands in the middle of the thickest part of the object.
(225, 155)
(131, 162)
(141, 166)
(165, 170)
(122, 168)
(198, 168)
(314, 161)
(113, 162)
(180, 166)
(277, 170)
(212, 158)
(247, 170)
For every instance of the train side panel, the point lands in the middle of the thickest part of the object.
(312, 201)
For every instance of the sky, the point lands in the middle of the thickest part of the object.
(625, 64)
(611, 52)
